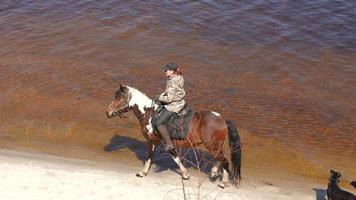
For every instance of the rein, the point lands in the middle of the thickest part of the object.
(127, 108)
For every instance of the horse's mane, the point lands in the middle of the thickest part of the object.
(140, 99)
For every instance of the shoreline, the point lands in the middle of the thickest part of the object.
(125, 158)
(256, 163)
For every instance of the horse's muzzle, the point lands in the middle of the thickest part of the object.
(110, 114)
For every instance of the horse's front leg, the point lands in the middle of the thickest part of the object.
(183, 170)
(146, 168)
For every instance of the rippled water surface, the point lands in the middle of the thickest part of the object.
(284, 71)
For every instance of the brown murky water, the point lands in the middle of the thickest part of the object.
(283, 71)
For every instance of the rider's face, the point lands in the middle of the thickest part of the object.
(169, 73)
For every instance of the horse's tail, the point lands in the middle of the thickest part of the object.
(235, 146)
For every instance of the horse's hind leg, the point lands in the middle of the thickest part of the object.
(216, 150)
(215, 170)
(225, 164)
(148, 161)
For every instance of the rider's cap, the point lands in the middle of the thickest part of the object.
(170, 66)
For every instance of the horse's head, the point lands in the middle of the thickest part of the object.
(120, 104)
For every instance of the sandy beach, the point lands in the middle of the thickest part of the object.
(40, 176)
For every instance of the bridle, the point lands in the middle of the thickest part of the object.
(121, 111)
(126, 108)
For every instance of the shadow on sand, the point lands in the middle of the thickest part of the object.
(163, 161)
(320, 194)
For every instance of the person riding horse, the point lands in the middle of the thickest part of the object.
(173, 101)
(206, 127)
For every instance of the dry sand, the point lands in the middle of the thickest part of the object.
(28, 176)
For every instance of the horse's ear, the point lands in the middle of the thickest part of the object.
(339, 174)
(122, 87)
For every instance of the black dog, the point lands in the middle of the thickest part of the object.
(336, 193)
(353, 183)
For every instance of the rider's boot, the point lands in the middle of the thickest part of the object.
(167, 139)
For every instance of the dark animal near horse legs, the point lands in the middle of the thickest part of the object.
(334, 192)
(353, 183)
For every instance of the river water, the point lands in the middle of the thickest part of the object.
(284, 71)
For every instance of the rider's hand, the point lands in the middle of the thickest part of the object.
(156, 98)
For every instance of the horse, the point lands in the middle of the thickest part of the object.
(205, 127)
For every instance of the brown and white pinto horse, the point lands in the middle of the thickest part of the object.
(206, 127)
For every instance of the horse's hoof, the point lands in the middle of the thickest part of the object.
(214, 175)
(213, 179)
(223, 185)
(185, 177)
(141, 174)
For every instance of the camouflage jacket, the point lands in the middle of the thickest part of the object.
(174, 94)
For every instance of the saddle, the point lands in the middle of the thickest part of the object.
(178, 124)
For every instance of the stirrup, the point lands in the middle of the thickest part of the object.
(169, 147)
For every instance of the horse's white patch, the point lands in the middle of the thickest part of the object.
(179, 163)
(215, 170)
(149, 127)
(110, 112)
(147, 165)
(140, 99)
(215, 113)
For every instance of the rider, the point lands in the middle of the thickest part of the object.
(172, 99)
